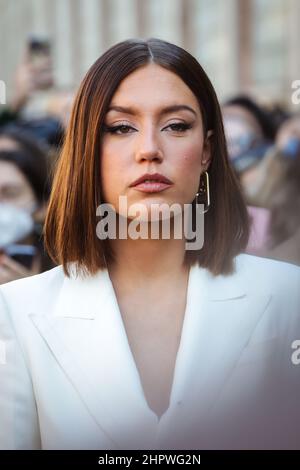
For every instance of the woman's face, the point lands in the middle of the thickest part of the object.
(152, 139)
(15, 189)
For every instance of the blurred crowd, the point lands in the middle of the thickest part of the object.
(263, 145)
(32, 126)
(264, 149)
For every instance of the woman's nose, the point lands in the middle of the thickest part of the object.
(148, 147)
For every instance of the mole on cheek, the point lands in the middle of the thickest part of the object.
(190, 158)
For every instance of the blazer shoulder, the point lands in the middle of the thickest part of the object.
(22, 294)
(33, 282)
(277, 276)
(282, 281)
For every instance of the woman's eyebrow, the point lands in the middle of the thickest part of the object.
(165, 110)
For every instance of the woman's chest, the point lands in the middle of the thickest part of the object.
(153, 332)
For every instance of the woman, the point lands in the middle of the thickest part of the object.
(140, 343)
(24, 191)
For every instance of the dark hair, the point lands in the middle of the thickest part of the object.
(31, 160)
(262, 117)
(76, 191)
(45, 130)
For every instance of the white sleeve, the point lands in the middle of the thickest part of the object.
(19, 426)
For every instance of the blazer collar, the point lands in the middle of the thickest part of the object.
(83, 297)
(86, 334)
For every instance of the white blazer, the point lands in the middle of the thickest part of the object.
(68, 379)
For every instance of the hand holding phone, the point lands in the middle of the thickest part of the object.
(39, 56)
(33, 73)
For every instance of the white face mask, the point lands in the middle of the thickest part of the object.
(15, 224)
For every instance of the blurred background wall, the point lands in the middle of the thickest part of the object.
(244, 45)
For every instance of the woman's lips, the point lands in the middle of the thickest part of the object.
(152, 186)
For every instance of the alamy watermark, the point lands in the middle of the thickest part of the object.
(295, 357)
(2, 92)
(155, 222)
(295, 98)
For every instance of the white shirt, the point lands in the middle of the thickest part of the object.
(69, 379)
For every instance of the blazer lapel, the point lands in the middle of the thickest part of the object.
(222, 313)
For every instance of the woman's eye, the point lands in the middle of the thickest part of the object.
(179, 127)
(123, 128)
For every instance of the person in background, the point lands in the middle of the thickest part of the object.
(24, 191)
(281, 194)
(30, 77)
(31, 107)
(250, 134)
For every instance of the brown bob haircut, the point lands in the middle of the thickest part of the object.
(70, 227)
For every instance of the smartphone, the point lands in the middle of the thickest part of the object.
(23, 254)
(39, 46)
(39, 50)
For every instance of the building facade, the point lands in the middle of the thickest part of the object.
(244, 45)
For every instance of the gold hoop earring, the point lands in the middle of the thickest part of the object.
(203, 194)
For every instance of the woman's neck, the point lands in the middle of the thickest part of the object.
(148, 258)
(157, 259)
